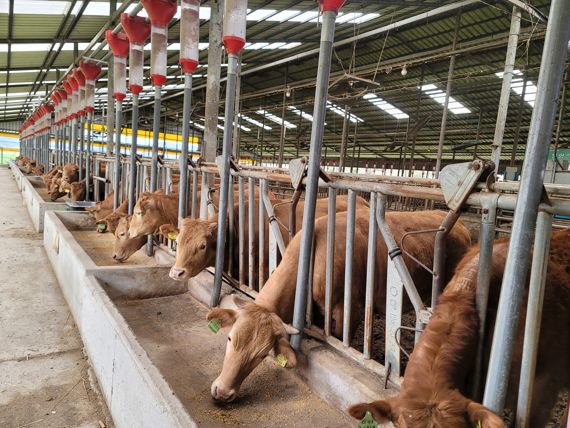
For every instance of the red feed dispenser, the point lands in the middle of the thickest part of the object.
(160, 13)
(74, 96)
(119, 44)
(80, 78)
(331, 5)
(235, 20)
(189, 35)
(91, 71)
(138, 30)
(69, 100)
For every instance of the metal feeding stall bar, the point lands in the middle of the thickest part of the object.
(138, 30)
(80, 79)
(119, 44)
(160, 13)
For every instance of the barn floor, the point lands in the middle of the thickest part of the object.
(174, 333)
(44, 377)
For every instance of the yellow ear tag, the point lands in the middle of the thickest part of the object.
(66, 190)
(479, 424)
(368, 421)
(281, 360)
(214, 325)
(172, 236)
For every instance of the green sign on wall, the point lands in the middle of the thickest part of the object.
(561, 154)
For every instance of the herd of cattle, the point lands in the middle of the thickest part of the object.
(438, 373)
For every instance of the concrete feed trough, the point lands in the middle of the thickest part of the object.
(155, 359)
(37, 200)
(18, 174)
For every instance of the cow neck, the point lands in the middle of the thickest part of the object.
(167, 205)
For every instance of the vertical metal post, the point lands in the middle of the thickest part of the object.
(110, 105)
(533, 316)
(117, 182)
(331, 225)
(506, 87)
(447, 95)
(183, 186)
(530, 193)
(194, 193)
(416, 114)
(134, 139)
(81, 145)
(438, 281)
(350, 219)
(225, 176)
(73, 140)
(283, 127)
(154, 165)
(370, 279)
(561, 111)
(344, 139)
(241, 232)
(88, 154)
(250, 226)
(519, 120)
(319, 112)
(261, 237)
(486, 238)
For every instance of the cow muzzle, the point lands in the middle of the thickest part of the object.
(221, 394)
(177, 273)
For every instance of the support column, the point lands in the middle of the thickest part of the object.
(210, 145)
(506, 87)
(283, 127)
(110, 107)
(447, 95)
(344, 139)
(530, 194)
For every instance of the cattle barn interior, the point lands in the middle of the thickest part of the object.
(287, 213)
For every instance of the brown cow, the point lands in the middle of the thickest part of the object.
(29, 166)
(103, 208)
(70, 175)
(151, 211)
(38, 170)
(197, 240)
(443, 358)
(124, 247)
(257, 328)
(110, 222)
(49, 175)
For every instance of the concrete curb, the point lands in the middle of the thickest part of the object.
(18, 174)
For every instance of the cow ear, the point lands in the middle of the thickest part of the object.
(227, 317)
(213, 227)
(167, 229)
(381, 410)
(282, 347)
(481, 416)
(146, 203)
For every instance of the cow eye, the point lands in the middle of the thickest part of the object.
(229, 339)
(202, 246)
(122, 234)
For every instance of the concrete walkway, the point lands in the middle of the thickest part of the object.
(44, 377)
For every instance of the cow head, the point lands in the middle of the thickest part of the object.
(450, 409)
(254, 333)
(146, 217)
(76, 190)
(196, 247)
(110, 223)
(124, 247)
(70, 172)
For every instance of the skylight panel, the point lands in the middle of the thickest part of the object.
(27, 47)
(346, 17)
(304, 17)
(255, 122)
(290, 45)
(243, 128)
(517, 85)
(284, 15)
(386, 106)
(256, 46)
(341, 112)
(260, 14)
(276, 119)
(438, 95)
(36, 7)
(197, 125)
(277, 45)
(362, 19)
(301, 113)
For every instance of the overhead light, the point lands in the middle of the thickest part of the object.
(288, 91)
(404, 70)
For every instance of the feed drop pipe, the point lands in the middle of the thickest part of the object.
(395, 253)
(74, 113)
(80, 78)
(160, 13)
(54, 98)
(119, 44)
(329, 10)
(91, 71)
(189, 56)
(529, 197)
(533, 316)
(138, 30)
(69, 120)
(234, 40)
